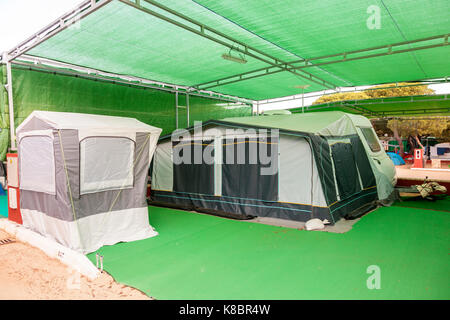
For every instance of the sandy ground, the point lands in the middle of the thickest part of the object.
(28, 273)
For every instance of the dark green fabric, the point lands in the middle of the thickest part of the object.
(362, 161)
(35, 90)
(345, 169)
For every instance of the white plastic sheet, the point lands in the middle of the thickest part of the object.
(106, 163)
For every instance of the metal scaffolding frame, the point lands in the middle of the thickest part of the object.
(225, 40)
(48, 65)
(361, 105)
(338, 58)
(17, 56)
(345, 90)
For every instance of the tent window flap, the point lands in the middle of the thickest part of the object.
(106, 163)
(245, 173)
(193, 172)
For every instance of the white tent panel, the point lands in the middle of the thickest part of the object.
(298, 179)
(162, 178)
(106, 163)
(37, 164)
(90, 233)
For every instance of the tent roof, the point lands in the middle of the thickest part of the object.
(305, 122)
(71, 120)
(324, 44)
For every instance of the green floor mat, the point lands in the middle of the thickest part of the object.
(441, 203)
(4, 206)
(205, 257)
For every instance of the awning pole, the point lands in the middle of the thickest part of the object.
(176, 109)
(187, 108)
(12, 129)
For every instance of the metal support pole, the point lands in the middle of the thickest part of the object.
(303, 100)
(257, 108)
(12, 129)
(187, 108)
(176, 110)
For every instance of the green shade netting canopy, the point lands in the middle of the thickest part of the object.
(123, 39)
(435, 105)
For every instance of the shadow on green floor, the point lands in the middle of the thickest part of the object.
(205, 257)
(440, 203)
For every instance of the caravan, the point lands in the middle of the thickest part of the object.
(328, 165)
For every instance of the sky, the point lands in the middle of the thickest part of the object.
(21, 18)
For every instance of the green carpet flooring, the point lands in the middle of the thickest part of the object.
(205, 257)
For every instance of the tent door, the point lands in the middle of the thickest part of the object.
(347, 176)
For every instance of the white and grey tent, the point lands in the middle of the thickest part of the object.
(323, 165)
(83, 178)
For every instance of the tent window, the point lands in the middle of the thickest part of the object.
(371, 139)
(37, 164)
(106, 163)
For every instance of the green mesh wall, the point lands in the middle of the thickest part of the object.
(122, 39)
(4, 114)
(35, 90)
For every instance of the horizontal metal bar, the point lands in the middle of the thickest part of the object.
(277, 62)
(410, 100)
(248, 50)
(309, 109)
(371, 56)
(44, 62)
(266, 71)
(388, 46)
(56, 27)
(415, 111)
(343, 90)
(93, 76)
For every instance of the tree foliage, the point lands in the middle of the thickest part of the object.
(379, 91)
(419, 127)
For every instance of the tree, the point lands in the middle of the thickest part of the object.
(379, 91)
(400, 128)
(398, 90)
(341, 96)
(417, 127)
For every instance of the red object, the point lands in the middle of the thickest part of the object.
(418, 158)
(12, 173)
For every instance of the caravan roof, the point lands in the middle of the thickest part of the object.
(314, 122)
